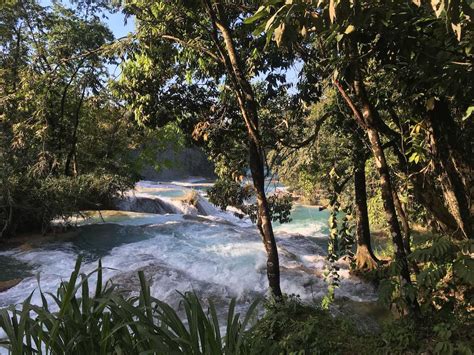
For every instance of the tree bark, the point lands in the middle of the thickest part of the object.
(448, 168)
(248, 108)
(425, 186)
(365, 119)
(401, 210)
(72, 152)
(426, 194)
(404, 222)
(365, 258)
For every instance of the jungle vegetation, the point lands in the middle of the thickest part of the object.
(377, 128)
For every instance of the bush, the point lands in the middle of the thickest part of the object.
(294, 328)
(28, 204)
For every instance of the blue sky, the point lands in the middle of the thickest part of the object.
(116, 24)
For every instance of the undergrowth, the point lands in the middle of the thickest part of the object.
(104, 321)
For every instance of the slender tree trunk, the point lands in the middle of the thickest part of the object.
(365, 258)
(248, 107)
(71, 157)
(401, 210)
(264, 221)
(388, 203)
(404, 221)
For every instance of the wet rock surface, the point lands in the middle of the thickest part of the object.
(5, 285)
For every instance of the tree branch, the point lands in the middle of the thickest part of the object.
(357, 114)
(313, 136)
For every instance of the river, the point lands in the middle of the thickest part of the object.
(217, 254)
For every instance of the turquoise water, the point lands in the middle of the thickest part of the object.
(306, 220)
(171, 193)
(217, 255)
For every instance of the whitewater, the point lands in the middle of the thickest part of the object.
(183, 248)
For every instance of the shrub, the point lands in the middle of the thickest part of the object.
(28, 204)
(291, 327)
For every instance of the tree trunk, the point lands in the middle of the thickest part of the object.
(406, 228)
(365, 119)
(365, 258)
(388, 203)
(71, 157)
(448, 168)
(264, 222)
(404, 221)
(426, 191)
(427, 195)
(248, 107)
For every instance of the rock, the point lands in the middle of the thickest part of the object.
(6, 285)
(25, 247)
(145, 204)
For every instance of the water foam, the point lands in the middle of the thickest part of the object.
(217, 255)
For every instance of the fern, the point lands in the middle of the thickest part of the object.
(431, 275)
(463, 268)
(438, 248)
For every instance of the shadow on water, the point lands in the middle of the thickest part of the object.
(13, 268)
(96, 241)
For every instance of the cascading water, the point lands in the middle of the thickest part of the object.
(184, 248)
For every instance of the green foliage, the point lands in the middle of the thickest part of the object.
(84, 320)
(329, 148)
(280, 207)
(229, 193)
(104, 322)
(341, 242)
(400, 337)
(445, 277)
(65, 144)
(436, 336)
(375, 207)
(442, 283)
(290, 327)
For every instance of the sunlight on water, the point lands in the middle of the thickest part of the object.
(218, 255)
(306, 220)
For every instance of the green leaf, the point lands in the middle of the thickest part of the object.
(469, 112)
(261, 12)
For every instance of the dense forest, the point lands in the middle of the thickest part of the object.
(363, 108)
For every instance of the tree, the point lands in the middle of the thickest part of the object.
(332, 142)
(364, 257)
(365, 45)
(53, 91)
(207, 44)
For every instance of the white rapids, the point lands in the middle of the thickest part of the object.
(217, 255)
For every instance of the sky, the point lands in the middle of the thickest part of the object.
(120, 28)
(116, 22)
(117, 25)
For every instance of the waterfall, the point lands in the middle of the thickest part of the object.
(182, 243)
(147, 203)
